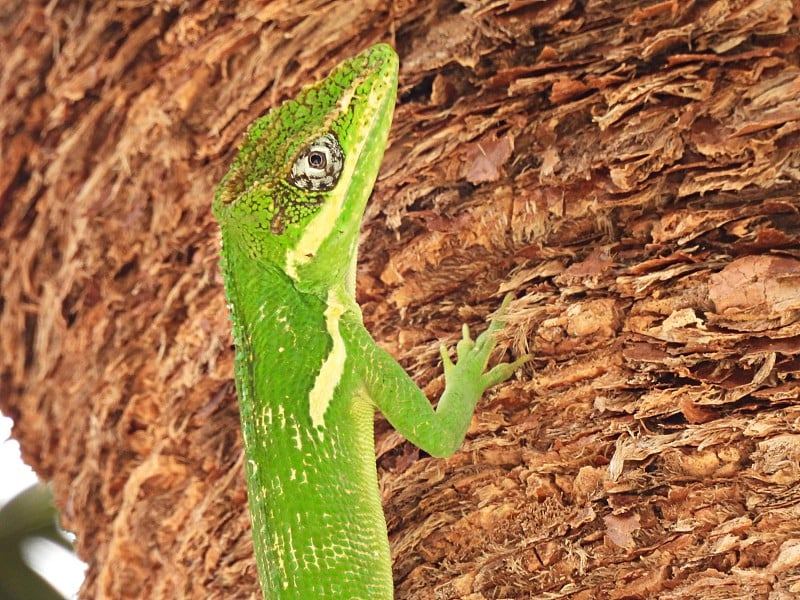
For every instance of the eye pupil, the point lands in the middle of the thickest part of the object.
(317, 160)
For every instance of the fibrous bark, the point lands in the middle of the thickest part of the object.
(631, 171)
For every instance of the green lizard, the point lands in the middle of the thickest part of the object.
(308, 374)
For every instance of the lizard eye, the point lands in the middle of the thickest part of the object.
(318, 166)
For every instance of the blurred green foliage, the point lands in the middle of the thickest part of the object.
(29, 514)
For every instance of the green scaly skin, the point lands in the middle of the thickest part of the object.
(308, 374)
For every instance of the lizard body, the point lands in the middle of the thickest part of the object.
(308, 374)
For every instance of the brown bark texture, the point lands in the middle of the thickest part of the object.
(630, 171)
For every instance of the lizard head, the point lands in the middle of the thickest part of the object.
(295, 194)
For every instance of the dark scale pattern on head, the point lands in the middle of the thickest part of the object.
(291, 208)
(260, 204)
(277, 139)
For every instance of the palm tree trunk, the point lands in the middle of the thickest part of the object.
(630, 171)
